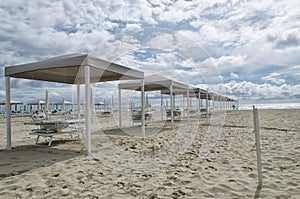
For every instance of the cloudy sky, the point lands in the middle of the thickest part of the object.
(246, 49)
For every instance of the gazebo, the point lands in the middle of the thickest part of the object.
(156, 83)
(70, 69)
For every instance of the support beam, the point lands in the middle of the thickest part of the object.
(199, 103)
(162, 106)
(183, 106)
(8, 114)
(78, 101)
(112, 104)
(143, 109)
(257, 144)
(213, 102)
(47, 102)
(188, 105)
(120, 109)
(207, 105)
(87, 110)
(172, 106)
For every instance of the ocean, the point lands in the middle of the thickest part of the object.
(270, 106)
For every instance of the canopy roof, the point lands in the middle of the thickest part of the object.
(36, 102)
(63, 102)
(70, 69)
(193, 92)
(11, 102)
(154, 83)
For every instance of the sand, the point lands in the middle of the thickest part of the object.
(213, 158)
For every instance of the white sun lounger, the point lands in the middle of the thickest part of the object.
(48, 128)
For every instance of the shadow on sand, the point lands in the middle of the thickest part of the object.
(134, 131)
(257, 192)
(24, 158)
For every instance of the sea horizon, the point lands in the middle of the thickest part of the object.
(249, 106)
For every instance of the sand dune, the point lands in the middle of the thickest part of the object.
(205, 159)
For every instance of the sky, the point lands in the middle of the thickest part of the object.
(247, 50)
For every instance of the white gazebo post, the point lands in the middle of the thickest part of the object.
(257, 144)
(183, 106)
(8, 113)
(92, 105)
(191, 101)
(213, 102)
(188, 105)
(228, 104)
(112, 104)
(38, 105)
(78, 101)
(172, 106)
(207, 104)
(221, 104)
(218, 103)
(120, 108)
(87, 110)
(199, 103)
(143, 108)
(47, 101)
(162, 106)
(63, 105)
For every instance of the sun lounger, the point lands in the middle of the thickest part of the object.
(136, 116)
(48, 128)
(46, 132)
(176, 112)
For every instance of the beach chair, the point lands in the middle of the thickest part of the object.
(176, 113)
(44, 132)
(136, 116)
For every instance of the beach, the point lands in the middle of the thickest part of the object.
(211, 158)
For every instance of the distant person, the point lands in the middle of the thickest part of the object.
(233, 107)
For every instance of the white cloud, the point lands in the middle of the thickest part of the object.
(226, 63)
(162, 41)
(243, 37)
(234, 75)
(174, 15)
(273, 78)
(248, 91)
(231, 60)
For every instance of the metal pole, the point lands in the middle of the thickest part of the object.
(8, 113)
(87, 109)
(162, 106)
(120, 109)
(143, 109)
(199, 103)
(78, 101)
(188, 105)
(257, 140)
(207, 104)
(183, 106)
(172, 106)
(112, 104)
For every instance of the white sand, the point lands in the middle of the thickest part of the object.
(126, 167)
